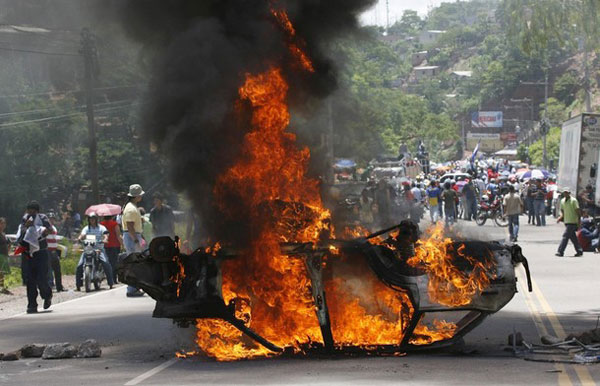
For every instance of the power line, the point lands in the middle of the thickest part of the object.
(39, 52)
(53, 108)
(70, 91)
(62, 117)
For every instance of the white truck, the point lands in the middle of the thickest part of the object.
(579, 151)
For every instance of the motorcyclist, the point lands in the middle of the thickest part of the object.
(101, 233)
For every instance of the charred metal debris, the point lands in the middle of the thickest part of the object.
(197, 292)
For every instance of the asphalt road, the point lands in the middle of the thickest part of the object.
(138, 349)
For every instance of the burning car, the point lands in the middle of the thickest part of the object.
(281, 277)
(369, 293)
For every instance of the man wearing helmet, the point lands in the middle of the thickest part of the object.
(101, 233)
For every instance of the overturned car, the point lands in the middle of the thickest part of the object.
(429, 291)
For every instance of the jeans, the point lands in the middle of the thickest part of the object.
(540, 212)
(54, 273)
(471, 209)
(434, 213)
(103, 260)
(113, 257)
(450, 215)
(530, 210)
(513, 226)
(35, 274)
(569, 234)
(131, 247)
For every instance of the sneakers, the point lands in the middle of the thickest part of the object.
(558, 254)
(32, 310)
(47, 303)
(135, 294)
(578, 254)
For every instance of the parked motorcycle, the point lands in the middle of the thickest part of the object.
(93, 273)
(491, 210)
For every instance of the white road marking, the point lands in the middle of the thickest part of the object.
(152, 372)
(68, 301)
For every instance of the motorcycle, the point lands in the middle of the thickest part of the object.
(491, 210)
(93, 272)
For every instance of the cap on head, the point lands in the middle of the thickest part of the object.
(33, 205)
(136, 190)
(566, 189)
(92, 215)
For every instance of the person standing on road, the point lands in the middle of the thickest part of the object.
(570, 215)
(54, 273)
(4, 268)
(513, 207)
(132, 228)
(433, 196)
(450, 198)
(31, 236)
(470, 201)
(539, 202)
(114, 244)
(162, 218)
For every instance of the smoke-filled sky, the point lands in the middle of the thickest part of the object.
(376, 15)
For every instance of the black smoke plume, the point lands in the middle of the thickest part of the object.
(204, 50)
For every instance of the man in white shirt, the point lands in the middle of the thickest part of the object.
(132, 228)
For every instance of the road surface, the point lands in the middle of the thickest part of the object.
(139, 350)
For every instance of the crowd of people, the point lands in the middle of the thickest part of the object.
(38, 245)
(458, 194)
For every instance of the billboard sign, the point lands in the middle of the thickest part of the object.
(488, 142)
(485, 119)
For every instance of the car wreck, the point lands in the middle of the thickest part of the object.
(188, 287)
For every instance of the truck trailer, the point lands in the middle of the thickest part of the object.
(579, 152)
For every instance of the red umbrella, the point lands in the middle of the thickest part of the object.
(104, 210)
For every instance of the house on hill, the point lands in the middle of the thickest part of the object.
(430, 36)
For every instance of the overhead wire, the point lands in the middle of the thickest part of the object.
(64, 116)
(11, 114)
(32, 51)
(70, 91)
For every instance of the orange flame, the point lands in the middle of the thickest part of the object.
(423, 334)
(179, 275)
(448, 285)
(272, 292)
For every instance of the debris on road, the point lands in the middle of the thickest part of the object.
(59, 351)
(33, 350)
(11, 356)
(515, 342)
(571, 350)
(587, 337)
(89, 349)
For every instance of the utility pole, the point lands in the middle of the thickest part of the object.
(545, 125)
(90, 64)
(387, 16)
(329, 142)
(586, 74)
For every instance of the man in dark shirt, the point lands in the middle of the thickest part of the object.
(35, 257)
(162, 218)
(539, 192)
(586, 198)
(450, 197)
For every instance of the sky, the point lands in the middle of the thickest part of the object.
(376, 15)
